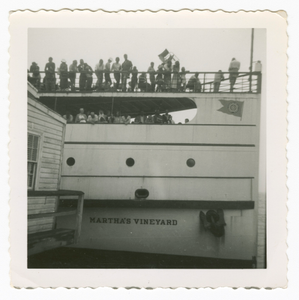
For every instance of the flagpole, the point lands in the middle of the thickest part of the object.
(251, 56)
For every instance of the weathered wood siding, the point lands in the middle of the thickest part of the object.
(50, 127)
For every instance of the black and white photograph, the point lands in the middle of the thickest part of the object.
(146, 148)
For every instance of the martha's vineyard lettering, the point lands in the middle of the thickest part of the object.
(133, 221)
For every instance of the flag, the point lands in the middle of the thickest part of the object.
(232, 107)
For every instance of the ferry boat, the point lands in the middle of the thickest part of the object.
(178, 189)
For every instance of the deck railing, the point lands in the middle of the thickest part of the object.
(146, 82)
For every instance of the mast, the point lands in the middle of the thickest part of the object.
(251, 56)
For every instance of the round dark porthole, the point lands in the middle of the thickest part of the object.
(190, 162)
(70, 161)
(130, 162)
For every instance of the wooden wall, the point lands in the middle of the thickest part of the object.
(50, 127)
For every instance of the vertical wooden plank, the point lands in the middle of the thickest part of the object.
(79, 218)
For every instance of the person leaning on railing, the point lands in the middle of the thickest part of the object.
(92, 118)
(68, 117)
(217, 80)
(81, 117)
(194, 83)
(233, 69)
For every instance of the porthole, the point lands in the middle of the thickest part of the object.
(130, 162)
(141, 193)
(70, 161)
(190, 162)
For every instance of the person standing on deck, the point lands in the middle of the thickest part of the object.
(258, 66)
(126, 68)
(151, 71)
(34, 69)
(108, 80)
(82, 78)
(134, 79)
(217, 80)
(63, 76)
(167, 74)
(99, 70)
(233, 69)
(89, 72)
(183, 80)
(72, 74)
(50, 78)
(142, 82)
(175, 82)
(81, 117)
(159, 79)
(116, 68)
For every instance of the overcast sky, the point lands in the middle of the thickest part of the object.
(203, 50)
(197, 49)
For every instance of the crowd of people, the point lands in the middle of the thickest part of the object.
(109, 118)
(169, 76)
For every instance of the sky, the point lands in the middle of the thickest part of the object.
(204, 50)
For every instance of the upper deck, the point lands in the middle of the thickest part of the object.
(147, 97)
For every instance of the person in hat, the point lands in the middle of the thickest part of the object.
(233, 69)
(107, 72)
(63, 75)
(217, 80)
(34, 69)
(72, 74)
(116, 68)
(50, 78)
